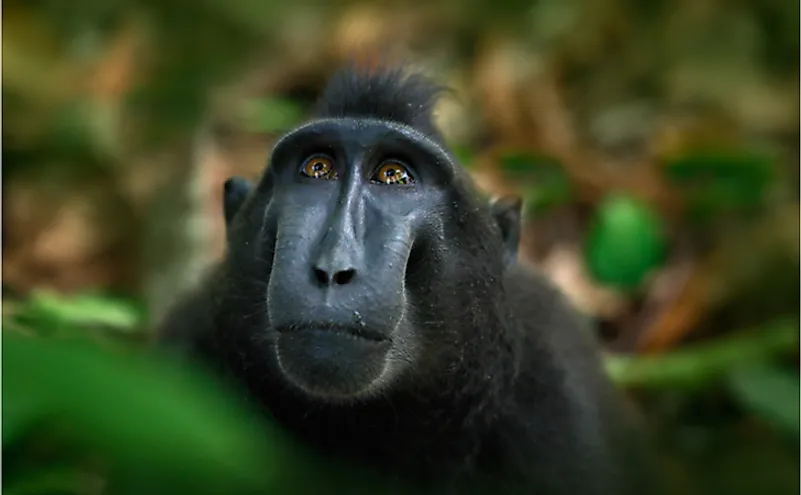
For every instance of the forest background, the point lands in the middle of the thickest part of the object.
(656, 144)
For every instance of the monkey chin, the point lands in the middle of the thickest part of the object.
(332, 364)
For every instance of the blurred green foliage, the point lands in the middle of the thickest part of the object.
(271, 115)
(625, 243)
(464, 155)
(148, 417)
(154, 420)
(765, 390)
(717, 181)
(90, 408)
(696, 366)
(142, 415)
(48, 310)
(546, 183)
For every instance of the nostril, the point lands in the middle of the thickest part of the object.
(344, 277)
(341, 277)
(321, 276)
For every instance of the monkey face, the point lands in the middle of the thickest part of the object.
(361, 232)
(352, 202)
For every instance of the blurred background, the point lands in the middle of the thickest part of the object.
(656, 145)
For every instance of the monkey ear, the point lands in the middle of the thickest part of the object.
(235, 190)
(507, 211)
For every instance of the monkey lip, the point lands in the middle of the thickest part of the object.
(347, 331)
(331, 361)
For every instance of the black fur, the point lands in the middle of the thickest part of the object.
(495, 385)
(388, 94)
(235, 190)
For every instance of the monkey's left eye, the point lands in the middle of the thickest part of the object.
(319, 167)
(391, 173)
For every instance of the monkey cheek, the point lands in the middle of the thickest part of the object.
(331, 365)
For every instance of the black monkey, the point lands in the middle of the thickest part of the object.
(373, 303)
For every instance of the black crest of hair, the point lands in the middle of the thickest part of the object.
(371, 302)
(393, 94)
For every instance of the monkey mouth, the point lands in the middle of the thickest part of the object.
(341, 330)
(331, 361)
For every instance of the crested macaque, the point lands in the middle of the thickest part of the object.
(373, 302)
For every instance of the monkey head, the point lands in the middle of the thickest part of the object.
(361, 240)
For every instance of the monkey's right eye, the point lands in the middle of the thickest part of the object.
(319, 167)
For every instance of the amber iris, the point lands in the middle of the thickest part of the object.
(392, 173)
(319, 167)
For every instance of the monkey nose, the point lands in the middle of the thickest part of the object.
(328, 278)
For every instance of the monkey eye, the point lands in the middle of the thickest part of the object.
(319, 167)
(391, 173)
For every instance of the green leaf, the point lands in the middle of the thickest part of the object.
(542, 179)
(85, 309)
(145, 415)
(20, 414)
(153, 423)
(769, 392)
(49, 481)
(271, 114)
(625, 242)
(696, 365)
(715, 181)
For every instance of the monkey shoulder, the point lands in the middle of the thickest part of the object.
(566, 427)
(188, 328)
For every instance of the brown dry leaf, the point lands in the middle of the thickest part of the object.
(456, 115)
(673, 300)
(524, 104)
(216, 164)
(564, 265)
(213, 170)
(488, 175)
(369, 32)
(71, 235)
(721, 275)
(361, 30)
(501, 70)
(118, 69)
(186, 227)
(679, 131)
(65, 241)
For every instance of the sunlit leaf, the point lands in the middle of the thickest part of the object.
(86, 309)
(696, 365)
